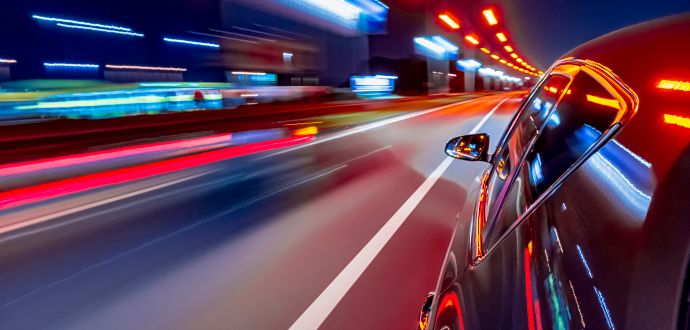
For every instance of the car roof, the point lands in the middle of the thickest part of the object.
(642, 56)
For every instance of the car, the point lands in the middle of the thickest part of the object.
(582, 217)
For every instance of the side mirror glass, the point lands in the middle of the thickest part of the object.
(469, 147)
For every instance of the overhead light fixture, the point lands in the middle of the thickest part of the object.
(485, 50)
(7, 61)
(443, 42)
(446, 18)
(469, 64)
(472, 39)
(508, 49)
(495, 57)
(501, 37)
(490, 17)
(430, 45)
(513, 55)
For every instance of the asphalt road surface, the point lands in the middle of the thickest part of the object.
(346, 231)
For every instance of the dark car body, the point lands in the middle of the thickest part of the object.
(582, 219)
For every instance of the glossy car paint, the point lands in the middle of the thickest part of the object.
(609, 248)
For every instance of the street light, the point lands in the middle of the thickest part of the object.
(472, 39)
(490, 17)
(448, 19)
(501, 37)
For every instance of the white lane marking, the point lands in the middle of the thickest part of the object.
(326, 302)
(85, 207)
(363, 128)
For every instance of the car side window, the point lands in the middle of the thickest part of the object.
(578, 121)
(521, 134)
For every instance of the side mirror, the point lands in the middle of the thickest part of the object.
(469, 147)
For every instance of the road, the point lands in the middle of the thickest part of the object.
(346, 231)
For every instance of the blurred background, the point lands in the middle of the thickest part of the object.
(216, 163)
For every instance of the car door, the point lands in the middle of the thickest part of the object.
(502, 288)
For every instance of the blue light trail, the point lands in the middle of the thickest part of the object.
(69, 21)
(133, 34)
(193, 43)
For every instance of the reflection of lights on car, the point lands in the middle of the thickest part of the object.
(536, 104)
(556, 238)
(604, 308)
(674, 85)
(558, 301)
(584, 261)
(577, 304)
(554, 120)
(536, 174)
(677, 120)
(449, 314)
(604, 101)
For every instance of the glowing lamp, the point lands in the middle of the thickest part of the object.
(490, 17)
(446, 18)
(472, 39)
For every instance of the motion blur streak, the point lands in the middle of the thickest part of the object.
(52, 163)
(677, 120)
(23, 196)
(674, 85)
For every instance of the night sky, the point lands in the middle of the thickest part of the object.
(542, 29)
